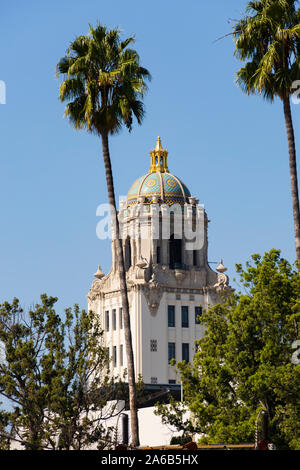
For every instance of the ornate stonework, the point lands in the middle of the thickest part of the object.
(153, 293)
(160, 272)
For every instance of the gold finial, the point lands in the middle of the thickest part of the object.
(158, 158)
(158, 144)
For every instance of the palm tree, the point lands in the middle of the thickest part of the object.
(268, 38)
(103, 84)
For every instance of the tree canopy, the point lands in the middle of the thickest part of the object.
(267, 39)
(54, 378)
(244, 361)
(103, 88)
(104, 81)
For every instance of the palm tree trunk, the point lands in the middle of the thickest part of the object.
(293, 173)
(124, 294)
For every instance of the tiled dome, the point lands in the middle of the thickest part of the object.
(158, 185)
(164, 186)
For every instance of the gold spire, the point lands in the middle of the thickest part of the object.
(158, 158)
(158, 144)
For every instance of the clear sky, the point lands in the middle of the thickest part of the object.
(229, 149)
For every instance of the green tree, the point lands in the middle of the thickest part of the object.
(4, 436)
(268, 39)
(104, 83)
(244, 361)
(54, 377)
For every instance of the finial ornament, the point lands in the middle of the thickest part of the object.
(158, 158)
(158, 144)
(222, 279)
(221, 268)
(99, 274)
(142, 262)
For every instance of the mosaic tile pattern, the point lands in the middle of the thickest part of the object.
(168, 188)
(134, 188)
(186, 190)
(150, 185)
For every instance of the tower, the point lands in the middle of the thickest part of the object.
(169, 280)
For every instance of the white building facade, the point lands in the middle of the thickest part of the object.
(169, 280)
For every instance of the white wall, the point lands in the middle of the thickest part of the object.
(155, 364)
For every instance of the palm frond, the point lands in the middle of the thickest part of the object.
(71, 88)
(78, 67)
(268, 38)
(79, 46)
(123, 44)
(75, 112)
(104, 81)
(63, 65)
(138, 110)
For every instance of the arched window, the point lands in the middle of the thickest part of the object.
(175, 252)
(127, 254)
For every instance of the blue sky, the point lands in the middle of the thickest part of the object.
(230, 150)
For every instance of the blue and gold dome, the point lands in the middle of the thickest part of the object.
(158, 185)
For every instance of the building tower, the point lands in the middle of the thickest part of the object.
(168, 276)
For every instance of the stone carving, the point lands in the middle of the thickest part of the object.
(153, 292)
(222, 282)
(154, 279)
(95, 290)
(140, 268)
(180, 275)
(142, 262)
(223, 279)
(140, 274)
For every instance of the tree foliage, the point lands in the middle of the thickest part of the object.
(103, 88)
(103, 81)
(54, 378)
(244, 361)
(267, 40)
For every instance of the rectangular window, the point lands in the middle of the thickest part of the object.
(194, 258)
(171, 315)
(115, 356)
(185, 352)
(121, 355)
(198, 313)
(184, 317)
(120, 318)
(171, 352)
(158, 255)
(153, 345)
(107, 320)
(154, 380)
(114, 316)
(172, 382)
